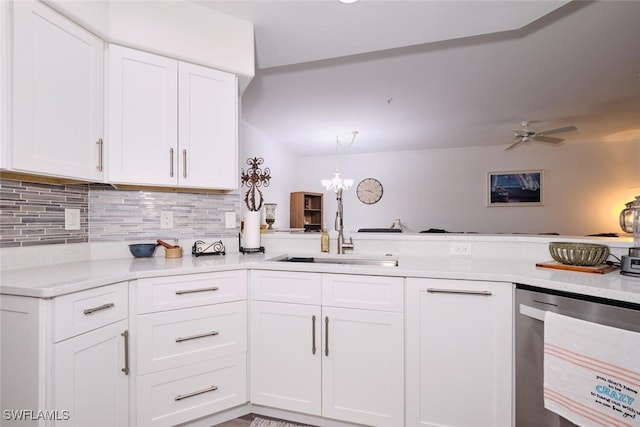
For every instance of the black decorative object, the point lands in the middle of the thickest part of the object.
(254, 178)
(201, 248)
(248, 250)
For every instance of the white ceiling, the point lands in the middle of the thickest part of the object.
(412, 75)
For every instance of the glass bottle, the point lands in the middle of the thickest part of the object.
(324, 241)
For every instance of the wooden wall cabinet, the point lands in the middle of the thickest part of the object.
(306, 211)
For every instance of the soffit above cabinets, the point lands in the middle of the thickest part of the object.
(294, 32)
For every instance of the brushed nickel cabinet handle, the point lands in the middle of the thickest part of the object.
(100, 154)
(192, 291)
(195, 393)
(458, 292)
(184, 163)
(313, 334)
(171, 162)
(125, 334)
(326, 336)
(92, 310)
(193, 337)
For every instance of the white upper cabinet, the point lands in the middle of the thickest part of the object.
(207, 127)
(143, 117)
(57, 95)
(170, 123)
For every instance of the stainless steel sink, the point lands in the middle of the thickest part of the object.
(384, 261)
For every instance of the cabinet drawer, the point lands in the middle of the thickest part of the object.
(91, 309)
(179, 395)
(365, 292)
(170, 293)
(286, 286)
(179, 337)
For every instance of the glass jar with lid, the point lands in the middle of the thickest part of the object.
(630, 220)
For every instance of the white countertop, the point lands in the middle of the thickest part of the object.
(63, 278)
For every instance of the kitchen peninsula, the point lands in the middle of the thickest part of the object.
(150, 305)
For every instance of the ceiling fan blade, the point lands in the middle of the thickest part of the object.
(547, 139)
(552, 131)
(512, 145)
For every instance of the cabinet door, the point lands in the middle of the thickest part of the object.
(208, 156)
(88, 378)
(57, 94)
(459, 353)
(363, 366)
(285, 356)
(143, 118)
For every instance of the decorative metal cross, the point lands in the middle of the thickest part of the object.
(254, 178)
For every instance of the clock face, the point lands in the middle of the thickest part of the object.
(369, 191)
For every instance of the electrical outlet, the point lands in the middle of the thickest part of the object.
(461, 248)
(71, 219)
(166, 219)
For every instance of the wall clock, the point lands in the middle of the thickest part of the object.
(369, 191)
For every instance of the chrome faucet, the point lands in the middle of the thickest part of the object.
(342, 244)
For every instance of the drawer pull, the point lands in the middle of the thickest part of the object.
(458, 292)
(89, 311)
(193, 337)
(125, 335)
(195, 393)
(192, 291)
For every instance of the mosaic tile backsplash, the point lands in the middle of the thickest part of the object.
(135, 215)
(33, 214)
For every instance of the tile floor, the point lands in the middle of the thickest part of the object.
(238, 422)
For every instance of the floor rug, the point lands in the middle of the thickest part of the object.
(264, 422)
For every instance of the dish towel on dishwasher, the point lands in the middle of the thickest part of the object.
(591, 372)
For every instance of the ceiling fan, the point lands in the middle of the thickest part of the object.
(527, 134)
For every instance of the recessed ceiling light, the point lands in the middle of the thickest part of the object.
(348, 1)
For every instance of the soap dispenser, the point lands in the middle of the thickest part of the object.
(324, 241)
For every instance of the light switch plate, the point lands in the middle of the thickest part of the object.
(71, 219)
(229, 220)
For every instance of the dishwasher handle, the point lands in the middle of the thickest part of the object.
(534, 313)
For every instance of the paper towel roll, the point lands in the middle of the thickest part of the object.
(252, 230)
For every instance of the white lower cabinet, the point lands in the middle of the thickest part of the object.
(459, 353)
(90, 378)
(190, 346)
(323, 358)
(65, 359)
(362, 367)
(173, 350)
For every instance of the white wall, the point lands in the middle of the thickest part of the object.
(585, 187)
(284, 170)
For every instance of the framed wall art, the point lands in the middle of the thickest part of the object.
(515, 188)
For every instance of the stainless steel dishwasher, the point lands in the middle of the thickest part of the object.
(530, 306)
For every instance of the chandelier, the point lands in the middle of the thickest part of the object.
(337, 183)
